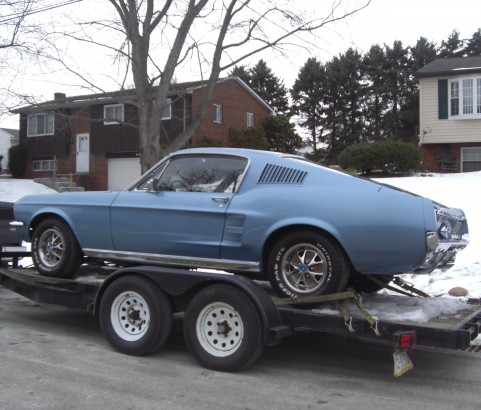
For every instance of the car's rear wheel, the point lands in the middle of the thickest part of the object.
(307, 264)
(55, 251)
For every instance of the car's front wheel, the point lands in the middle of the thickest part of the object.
(307, 264)
(55, 251)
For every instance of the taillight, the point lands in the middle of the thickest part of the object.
(407, 340)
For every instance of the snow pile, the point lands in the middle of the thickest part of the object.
(412, 309)
(13, 189)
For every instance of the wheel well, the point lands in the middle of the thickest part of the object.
(39, 219)
(277, 235)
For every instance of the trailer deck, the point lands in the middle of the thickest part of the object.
(450, 331)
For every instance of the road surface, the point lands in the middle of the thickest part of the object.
(55, 358)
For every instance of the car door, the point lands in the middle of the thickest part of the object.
(180, 211)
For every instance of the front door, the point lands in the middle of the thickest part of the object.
(83, 153)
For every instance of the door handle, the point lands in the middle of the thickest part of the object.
(221, 199)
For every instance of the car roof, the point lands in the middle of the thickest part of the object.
(250, 153)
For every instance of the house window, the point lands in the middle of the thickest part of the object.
(217, 114)
(465, 98)
(44, 165)
(40, 124)
(250, 120)
(478, 95)
(167, 114)
(455, 98)
(471, 159)
(113, 114)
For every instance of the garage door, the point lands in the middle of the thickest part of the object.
(122, 172)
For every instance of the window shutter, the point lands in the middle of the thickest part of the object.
(443, 99)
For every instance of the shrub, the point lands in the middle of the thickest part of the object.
(209, 142)
(253, 138)
(386, 156)
(17, 160)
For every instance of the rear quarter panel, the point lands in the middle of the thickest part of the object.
(381, 229)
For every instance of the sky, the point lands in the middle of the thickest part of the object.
(453, 190)
(382, 22)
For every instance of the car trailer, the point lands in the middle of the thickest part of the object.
(227, 319)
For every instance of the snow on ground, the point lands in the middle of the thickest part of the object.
(13, 189)
(456, 191)
(453, 190)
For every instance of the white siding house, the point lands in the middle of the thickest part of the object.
(8, 138)
(450, 114)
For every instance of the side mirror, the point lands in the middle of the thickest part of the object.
(150, 185)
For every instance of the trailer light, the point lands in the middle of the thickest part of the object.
(407, 340)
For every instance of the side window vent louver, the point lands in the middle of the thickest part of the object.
(275, 174)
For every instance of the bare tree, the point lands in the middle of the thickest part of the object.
(22, 42)
(233, 31)
(158, 38)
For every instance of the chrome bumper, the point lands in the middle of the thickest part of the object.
(443, 255)
(450, 237)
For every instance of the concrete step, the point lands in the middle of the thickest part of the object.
(61, 184)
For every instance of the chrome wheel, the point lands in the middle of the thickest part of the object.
(219, 329)
(51, 247)
(130, 316)
(304, 268)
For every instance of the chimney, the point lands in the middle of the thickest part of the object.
(59, 96)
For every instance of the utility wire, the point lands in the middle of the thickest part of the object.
(23, 14)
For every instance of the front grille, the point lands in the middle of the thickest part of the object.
(449, 224)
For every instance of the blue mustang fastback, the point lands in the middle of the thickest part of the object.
(310, 230)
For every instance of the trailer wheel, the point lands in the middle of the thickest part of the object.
(223, 329)
(55, 251)
(307, 264)
(135, 315)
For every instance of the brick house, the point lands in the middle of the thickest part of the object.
(80, 136)
(450, 114)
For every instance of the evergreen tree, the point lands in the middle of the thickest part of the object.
(422, 53)
(242, 72)
(452, 47)
(375, 103)
(265, 84)
(473, 45)
(398, 88)
(281, 134)
(307, 93)
(343, 103)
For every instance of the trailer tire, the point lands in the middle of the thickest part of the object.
(135, 315)
(55, 251)
(223, 329)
